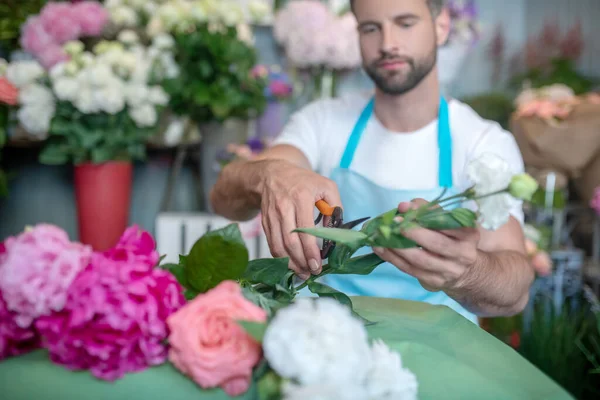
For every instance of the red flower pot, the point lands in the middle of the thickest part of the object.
(103, 196)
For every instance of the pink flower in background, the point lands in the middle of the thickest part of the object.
(60, 22)
(136, 247)
(14, 340)
(37, 269)
(114, 322)
(207, 343)
(52, 55)
(92, 17)
(9, 94)
(34, 37)
(595, 202)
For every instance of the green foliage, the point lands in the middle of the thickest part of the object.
(3, 126)
(561, 70)
(492, 106)
(13, 13)
(79, 138)
(215, 81)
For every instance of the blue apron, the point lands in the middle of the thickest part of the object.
(363, 198)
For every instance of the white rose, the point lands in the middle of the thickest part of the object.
(387, 379)
(85, 101)
(489, 173)
(317, 341)
(22, 73)
(136, 94)
(325, 391)
(124, 16)
(144, 116)
(158, 96)
(128, 37)
(110, 99)
(163, 41)
(36, 94)
(66, 88)
(36, 118)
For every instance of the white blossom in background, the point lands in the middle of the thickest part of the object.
(144, 116)
(387, 379)
(128, 37)
(124, 16)
(490, 173)
(23, 73)
(37, 107)
(314, 342)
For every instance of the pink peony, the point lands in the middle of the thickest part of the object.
(208, 345)
(51, 56)
(115, 319)
(35, 273)
(59, 20)
(595, 202)
(92, 17)
(34, 38)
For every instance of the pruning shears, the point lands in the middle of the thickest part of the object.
(333, 217)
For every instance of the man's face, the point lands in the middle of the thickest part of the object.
(398, 40)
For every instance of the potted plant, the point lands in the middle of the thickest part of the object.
(97, 104)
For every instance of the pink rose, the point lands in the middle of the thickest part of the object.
(60, 22)
(114, 322)
(34, 38)
(37, 270)
(208, 345)
(52, 55)
(92, 17)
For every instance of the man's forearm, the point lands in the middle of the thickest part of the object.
(497, 285)
(236, 195)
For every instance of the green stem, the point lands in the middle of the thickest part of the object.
(326, 271)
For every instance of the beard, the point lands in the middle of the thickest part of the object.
(396, 83)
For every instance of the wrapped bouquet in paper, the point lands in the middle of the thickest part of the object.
(557, 130)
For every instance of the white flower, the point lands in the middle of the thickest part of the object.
(110, 99)
(113, 3)
(387, 379)
(163, 41)
(86, 59)
(22, 73)
(128, 37)
(231, 14)
(245, 34)
(66, 88)
(158, 96)
(36, 118)
(136, 3)
(124, 16)
(174, 132)
(155, 27)
(490, 174)
(136, 94)
(71, 67)
(198, 13)
(325, 391)
(73, 47)
(128, 62)
(170, 15)
(150, 8)
(169, 65)
(85, 101)
(58, 71)
(35, 94)
(259, 10)
(317, 341)
(144, 116)
(99, 74)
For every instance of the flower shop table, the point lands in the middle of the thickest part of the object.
(451, 357)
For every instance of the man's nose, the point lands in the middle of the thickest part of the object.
(389, 41)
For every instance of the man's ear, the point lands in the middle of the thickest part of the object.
(442, 26)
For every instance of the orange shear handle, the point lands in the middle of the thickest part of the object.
(324, 208)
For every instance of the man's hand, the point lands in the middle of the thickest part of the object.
(288, 202)
(486, 272)
(444, 258)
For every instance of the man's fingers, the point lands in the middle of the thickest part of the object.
(292, 242)
(433, 241)
(430, 281)
(304, 218)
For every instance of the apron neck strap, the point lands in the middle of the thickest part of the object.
(444, 141)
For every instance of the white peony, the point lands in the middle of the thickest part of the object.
(158, 96)
(387, 379)
(490, 173)
(317, 341)
(66, 88)
(325, 391)
(36, 118)
(124, 16)
(128, 37)
(144, 116)
(22, 73)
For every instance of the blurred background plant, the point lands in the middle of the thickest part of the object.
(13, 13)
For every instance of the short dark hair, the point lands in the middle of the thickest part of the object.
(435, 6)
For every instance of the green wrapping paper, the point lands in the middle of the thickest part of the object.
(451, 357)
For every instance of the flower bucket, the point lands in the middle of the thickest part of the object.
(103, 196)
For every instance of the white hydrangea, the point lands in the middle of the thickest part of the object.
(387, 379)
(136, 94)
(144, 116)
(85, 101)
(110, 98)
(163, 41)
(259, 10)
(317, 341)
(490, 173)
(66, 88)
(158, 96)
(124, 16)
(128, 36)
(24, 72)
(37, 109)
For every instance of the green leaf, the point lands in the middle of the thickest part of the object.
(190, 294)
(217, 256)
(60, 127)
(338, 235)
(178, 271)
(101, 154)
(54, 154)
(269, 271)
(389, 216)
(465, 217)
(269, 386)
(362, 265)
(327, 291)
(438, 220)
(264, 300)
(342, 253)
(255, 329)
(395, 241)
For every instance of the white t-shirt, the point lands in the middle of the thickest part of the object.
(407, 160)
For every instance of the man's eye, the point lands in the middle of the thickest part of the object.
(369, 29)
